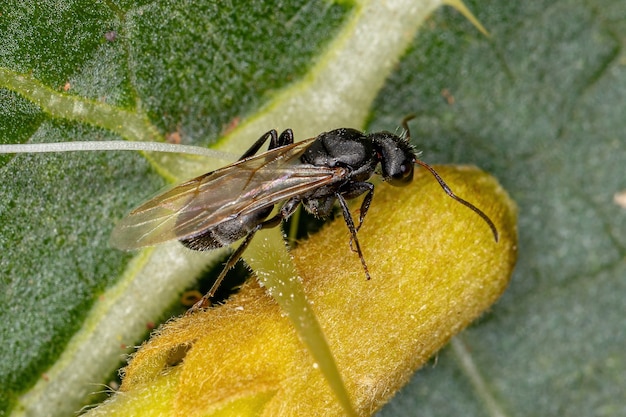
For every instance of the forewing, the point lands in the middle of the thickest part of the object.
(210, 199)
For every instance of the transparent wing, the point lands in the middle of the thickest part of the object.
(191, 208)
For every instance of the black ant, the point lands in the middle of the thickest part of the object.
(234, 202)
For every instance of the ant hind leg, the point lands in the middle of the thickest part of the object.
(274, 221)
(285, 138)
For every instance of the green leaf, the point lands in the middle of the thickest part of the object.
(538, 104)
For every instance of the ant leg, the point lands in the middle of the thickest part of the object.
(365, 205)
(272, 135)
(285, 211)
(350, 223)
(285, 138)
(289, 208)
(232, 260)
(204, 302)
(356, 190)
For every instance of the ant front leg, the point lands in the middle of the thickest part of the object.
(350, 223)
(355, 190)
(368, 189)
(285, 138)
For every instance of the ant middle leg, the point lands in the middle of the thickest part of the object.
(355, 190)
(350, 223)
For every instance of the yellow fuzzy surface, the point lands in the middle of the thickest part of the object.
(435, 267)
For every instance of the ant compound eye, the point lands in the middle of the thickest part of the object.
(403, 175)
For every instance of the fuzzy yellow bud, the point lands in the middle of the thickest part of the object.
(435, 267)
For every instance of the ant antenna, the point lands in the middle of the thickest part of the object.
(405, 126)
(407, 136)
(459, 199)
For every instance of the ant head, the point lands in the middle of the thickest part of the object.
(397, 157)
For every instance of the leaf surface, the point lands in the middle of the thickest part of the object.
(538, 104)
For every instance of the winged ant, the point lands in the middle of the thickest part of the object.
(234, 202)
